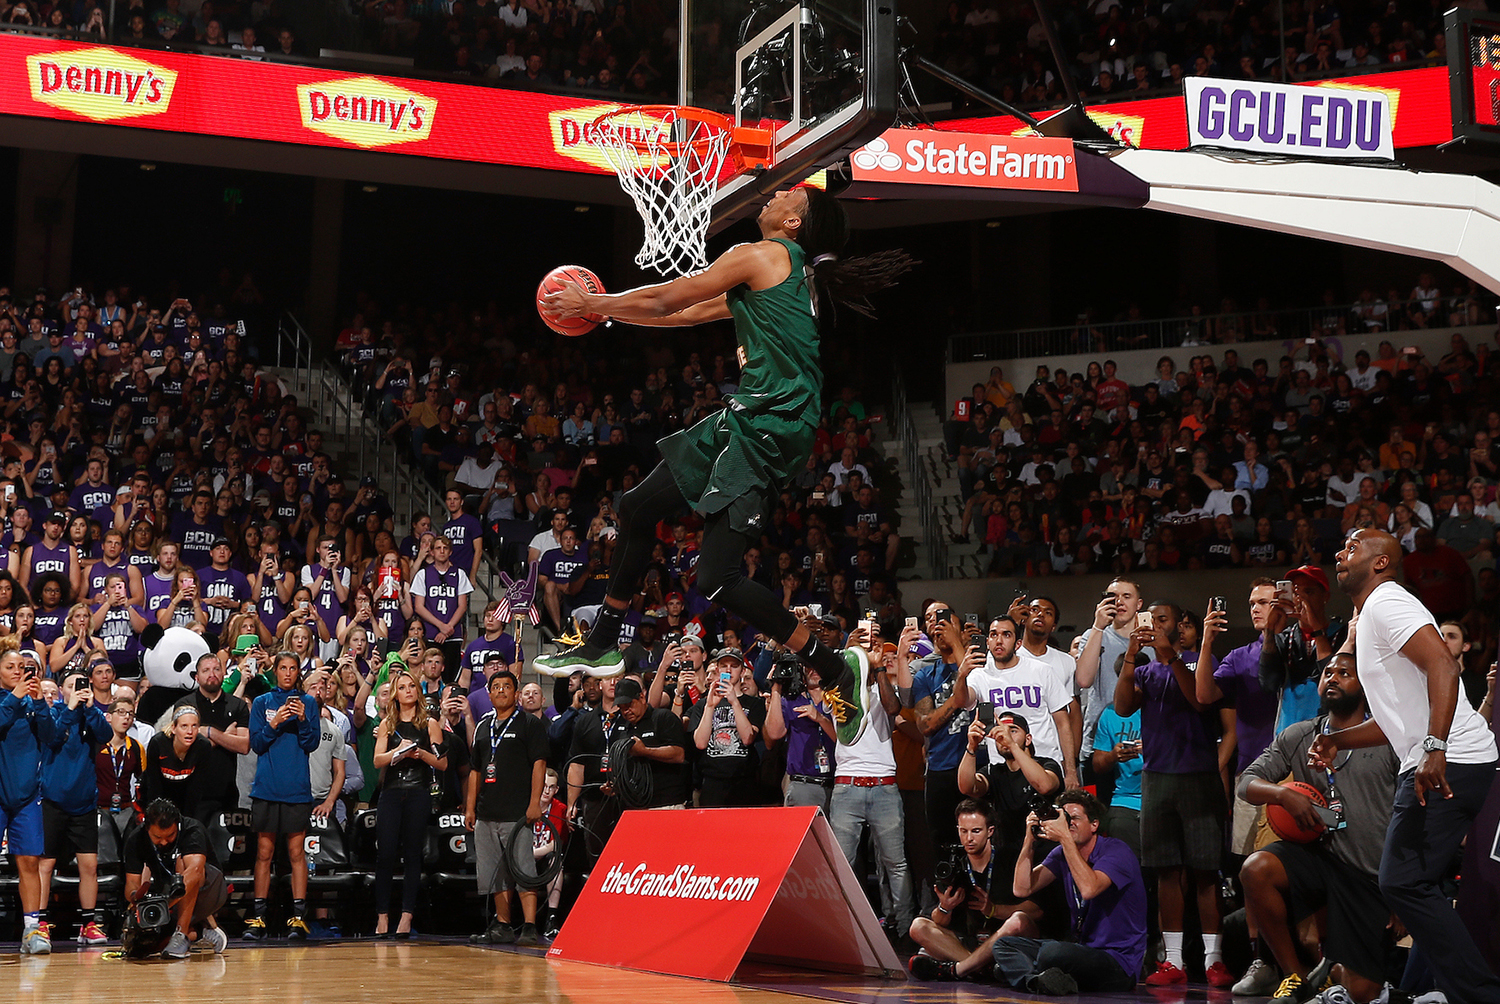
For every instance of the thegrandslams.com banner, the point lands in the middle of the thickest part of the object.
(191, 93)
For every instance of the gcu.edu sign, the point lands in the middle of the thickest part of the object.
(1291, 119)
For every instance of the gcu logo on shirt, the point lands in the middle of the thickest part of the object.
(1016, 697)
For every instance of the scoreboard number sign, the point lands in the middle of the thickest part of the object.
(1474, 73)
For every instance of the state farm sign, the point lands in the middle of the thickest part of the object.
(929, 157)
(366, 111)
(100, 84)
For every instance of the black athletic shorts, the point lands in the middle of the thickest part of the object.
(64, 833)
(1357, 936)
(1182, 820)
(279, 818)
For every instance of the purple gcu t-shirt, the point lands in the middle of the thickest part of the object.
(1175, 739)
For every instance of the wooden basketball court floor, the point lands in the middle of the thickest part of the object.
(451, 972)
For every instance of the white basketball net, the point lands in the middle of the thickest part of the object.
(669, 165)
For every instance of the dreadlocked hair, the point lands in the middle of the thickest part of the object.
(848, 281)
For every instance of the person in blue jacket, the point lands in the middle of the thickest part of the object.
(25, 730)
(70, 795)
(283, 733)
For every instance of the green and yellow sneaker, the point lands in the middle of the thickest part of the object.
(581, 658)
(846, 697)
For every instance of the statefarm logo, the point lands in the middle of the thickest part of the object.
(932, 157)
(366, 111)
(100, 84)
(575, 137)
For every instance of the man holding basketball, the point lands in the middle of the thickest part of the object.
(729, 467)
(1289, 880)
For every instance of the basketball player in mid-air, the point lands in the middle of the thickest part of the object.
(732, 465)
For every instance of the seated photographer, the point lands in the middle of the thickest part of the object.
(1106, 902)
(166, 861)
(795, 710)
(1286, 881)
(971, 887)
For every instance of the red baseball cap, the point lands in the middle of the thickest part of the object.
(1312, 572)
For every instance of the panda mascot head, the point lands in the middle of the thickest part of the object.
(170, 660)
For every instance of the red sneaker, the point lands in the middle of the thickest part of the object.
(1219, 976)
(1166, 975)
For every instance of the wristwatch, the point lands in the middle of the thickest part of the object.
(1434, 744)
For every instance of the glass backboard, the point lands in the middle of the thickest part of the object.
(820, 73)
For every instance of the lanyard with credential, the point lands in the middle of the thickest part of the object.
(497, 734)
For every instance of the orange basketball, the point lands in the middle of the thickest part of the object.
(555, 280)
(1284, 826)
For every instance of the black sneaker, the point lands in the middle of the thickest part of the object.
(553, 927)
(925, 967)
(1053, 983)
(500, 934)
(528, 935)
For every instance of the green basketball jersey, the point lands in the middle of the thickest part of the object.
(742, 455)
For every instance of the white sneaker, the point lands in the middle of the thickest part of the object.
(215, 938)
(1335, 994)
(36, 942)
(1260, 980)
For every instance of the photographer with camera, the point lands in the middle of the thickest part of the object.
(171, 887)
(1106, 898)
(26, 729)
(69, 794)
(795, 711)
(972, 884)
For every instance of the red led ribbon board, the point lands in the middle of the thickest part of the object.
(697, 892)
(235, 98)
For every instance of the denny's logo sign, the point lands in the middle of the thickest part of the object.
(366, 111)
(574, 135)
(100, 84)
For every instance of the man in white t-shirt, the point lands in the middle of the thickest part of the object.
(549, 539)
(1036, 617)
(1014, 680)
(865, 792)
(1447, 755)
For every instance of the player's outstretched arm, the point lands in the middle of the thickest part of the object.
(753, 264)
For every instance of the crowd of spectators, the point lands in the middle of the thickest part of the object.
(154, 474)
(1253, 463)
(1115, 50)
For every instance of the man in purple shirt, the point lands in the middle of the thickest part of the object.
(1236, 684)
(811, 738)
(93, 497)
(1106, 903)
(465, 531)
(1182, 791)
(223, 588)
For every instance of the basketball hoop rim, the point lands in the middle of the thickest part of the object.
(748, 146)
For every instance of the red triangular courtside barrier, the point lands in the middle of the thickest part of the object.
(695, 893)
